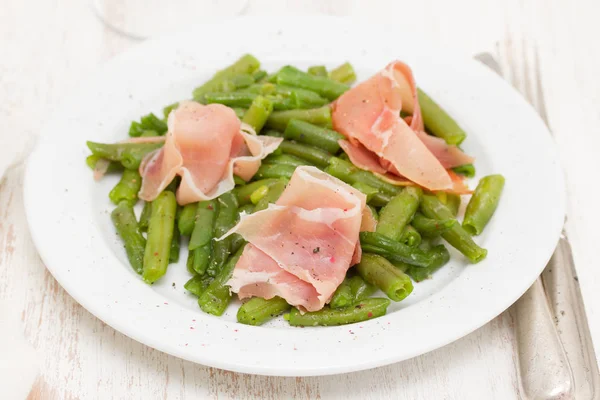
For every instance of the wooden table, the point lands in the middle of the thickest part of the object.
(48, 47)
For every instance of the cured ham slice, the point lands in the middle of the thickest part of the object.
(369, 115)
(205, 145)
(301, 247)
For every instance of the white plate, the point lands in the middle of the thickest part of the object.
(68, 212)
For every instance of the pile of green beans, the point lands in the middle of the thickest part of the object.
(412, 224)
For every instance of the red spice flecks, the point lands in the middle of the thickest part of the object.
(235, 330)
(186, 344)
(193, 320)
(345, 209)
(155, 253)
(370, 315)
(191, 327)
(166, 303)
(332, 259)
(210, 207)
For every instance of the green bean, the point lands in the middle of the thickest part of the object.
(127, 188)
(441, 257)
(259, 75)
(239, 112)
(313, 135)
(286, 159)
(373, 242)
(347, 172)
(483, 203)
(438, 122)
(215, 299)
(429, 227)
(362, 311)
(247, 64)
(380, 272)
(450, 200)
(259, 194)
(127, 227)
(225, 220)
(258, 113)
(145, 216)
(237, 241)
(343, 74)
(299, 98)
(271, 196)
(350, 291)
(160, 235)
(243, 193)
(147, 122)
(167, 110)
(266, 171)
(398, 212)
(314, 155)
(175, 246)
(187, 219)
(367, 190)
(380, 199)
(316, 116)
(198, 284)
(317, 70)
(467, 170)
(326, 87)
(410, 236)
(456, 236)
(128, 154)
(257, 310)
(93, 159)
(205, 219)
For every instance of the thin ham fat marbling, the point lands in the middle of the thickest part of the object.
(369, 116)
(301, 247)
(206, 145)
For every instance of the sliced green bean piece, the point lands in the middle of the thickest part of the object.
(271, 196)
(175, 246)
(318, 70)
(124, 220)
(258, 113)
(187, 219)
(313, 135)
(394, 217)
(429, 227)
(198, 284)
(128, 154)
(380, 272)
(243, 193)
(225, 220)
(364, 310)
(286, 159)
(483, 203)
(247, 64)
(215, 299)
(456, 236)
(344, 74)
(275, 171)
(145, 216)
(376, 243)
(438, 122)
(127, 188)
(312, 154)
(410, 236)
(467, 170)
(160, 235)
(93, 159)
(347, 172)
(326, 87)
(353, 289)
(441, 257)
(317, 116)
(257, 310)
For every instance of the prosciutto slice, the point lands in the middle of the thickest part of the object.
(369, 115)
(205, 145)
(301, 247)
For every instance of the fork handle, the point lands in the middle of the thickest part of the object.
(543, 366)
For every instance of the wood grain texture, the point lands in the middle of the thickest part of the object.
(82, 358)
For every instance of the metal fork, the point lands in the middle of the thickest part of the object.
(556, 358)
